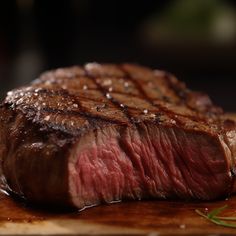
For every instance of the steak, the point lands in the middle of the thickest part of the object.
(82, 136)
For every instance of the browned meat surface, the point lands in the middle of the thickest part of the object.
(82, 136)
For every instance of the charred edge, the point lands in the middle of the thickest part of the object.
(114, 101)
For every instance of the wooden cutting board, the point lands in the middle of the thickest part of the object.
(136, 218)
(139, 218)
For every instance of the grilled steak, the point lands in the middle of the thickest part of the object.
(82, 136)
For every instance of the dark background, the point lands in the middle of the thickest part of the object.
(36, 35)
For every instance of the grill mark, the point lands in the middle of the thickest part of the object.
(163, 96)
(66, 94)
(166, 111)
(48, 92)
(114, 101)
(82, 112)
(136, 84)
(73, 113)
(145, 96)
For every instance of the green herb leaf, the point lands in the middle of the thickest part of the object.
(216, 211)
(218, 220)
(223, 223)
(226, 218)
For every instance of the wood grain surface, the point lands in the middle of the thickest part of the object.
(128, 218)
(137, 218)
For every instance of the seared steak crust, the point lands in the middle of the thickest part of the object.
(41, 124)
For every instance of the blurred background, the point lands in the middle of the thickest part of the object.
(194, 39)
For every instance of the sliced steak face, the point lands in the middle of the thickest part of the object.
(148, 162)
(83, 136)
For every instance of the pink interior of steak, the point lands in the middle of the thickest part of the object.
(149, 162)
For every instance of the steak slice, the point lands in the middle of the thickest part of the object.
(83, 136)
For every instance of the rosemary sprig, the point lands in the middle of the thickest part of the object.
(218, 220)
(216, 211)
